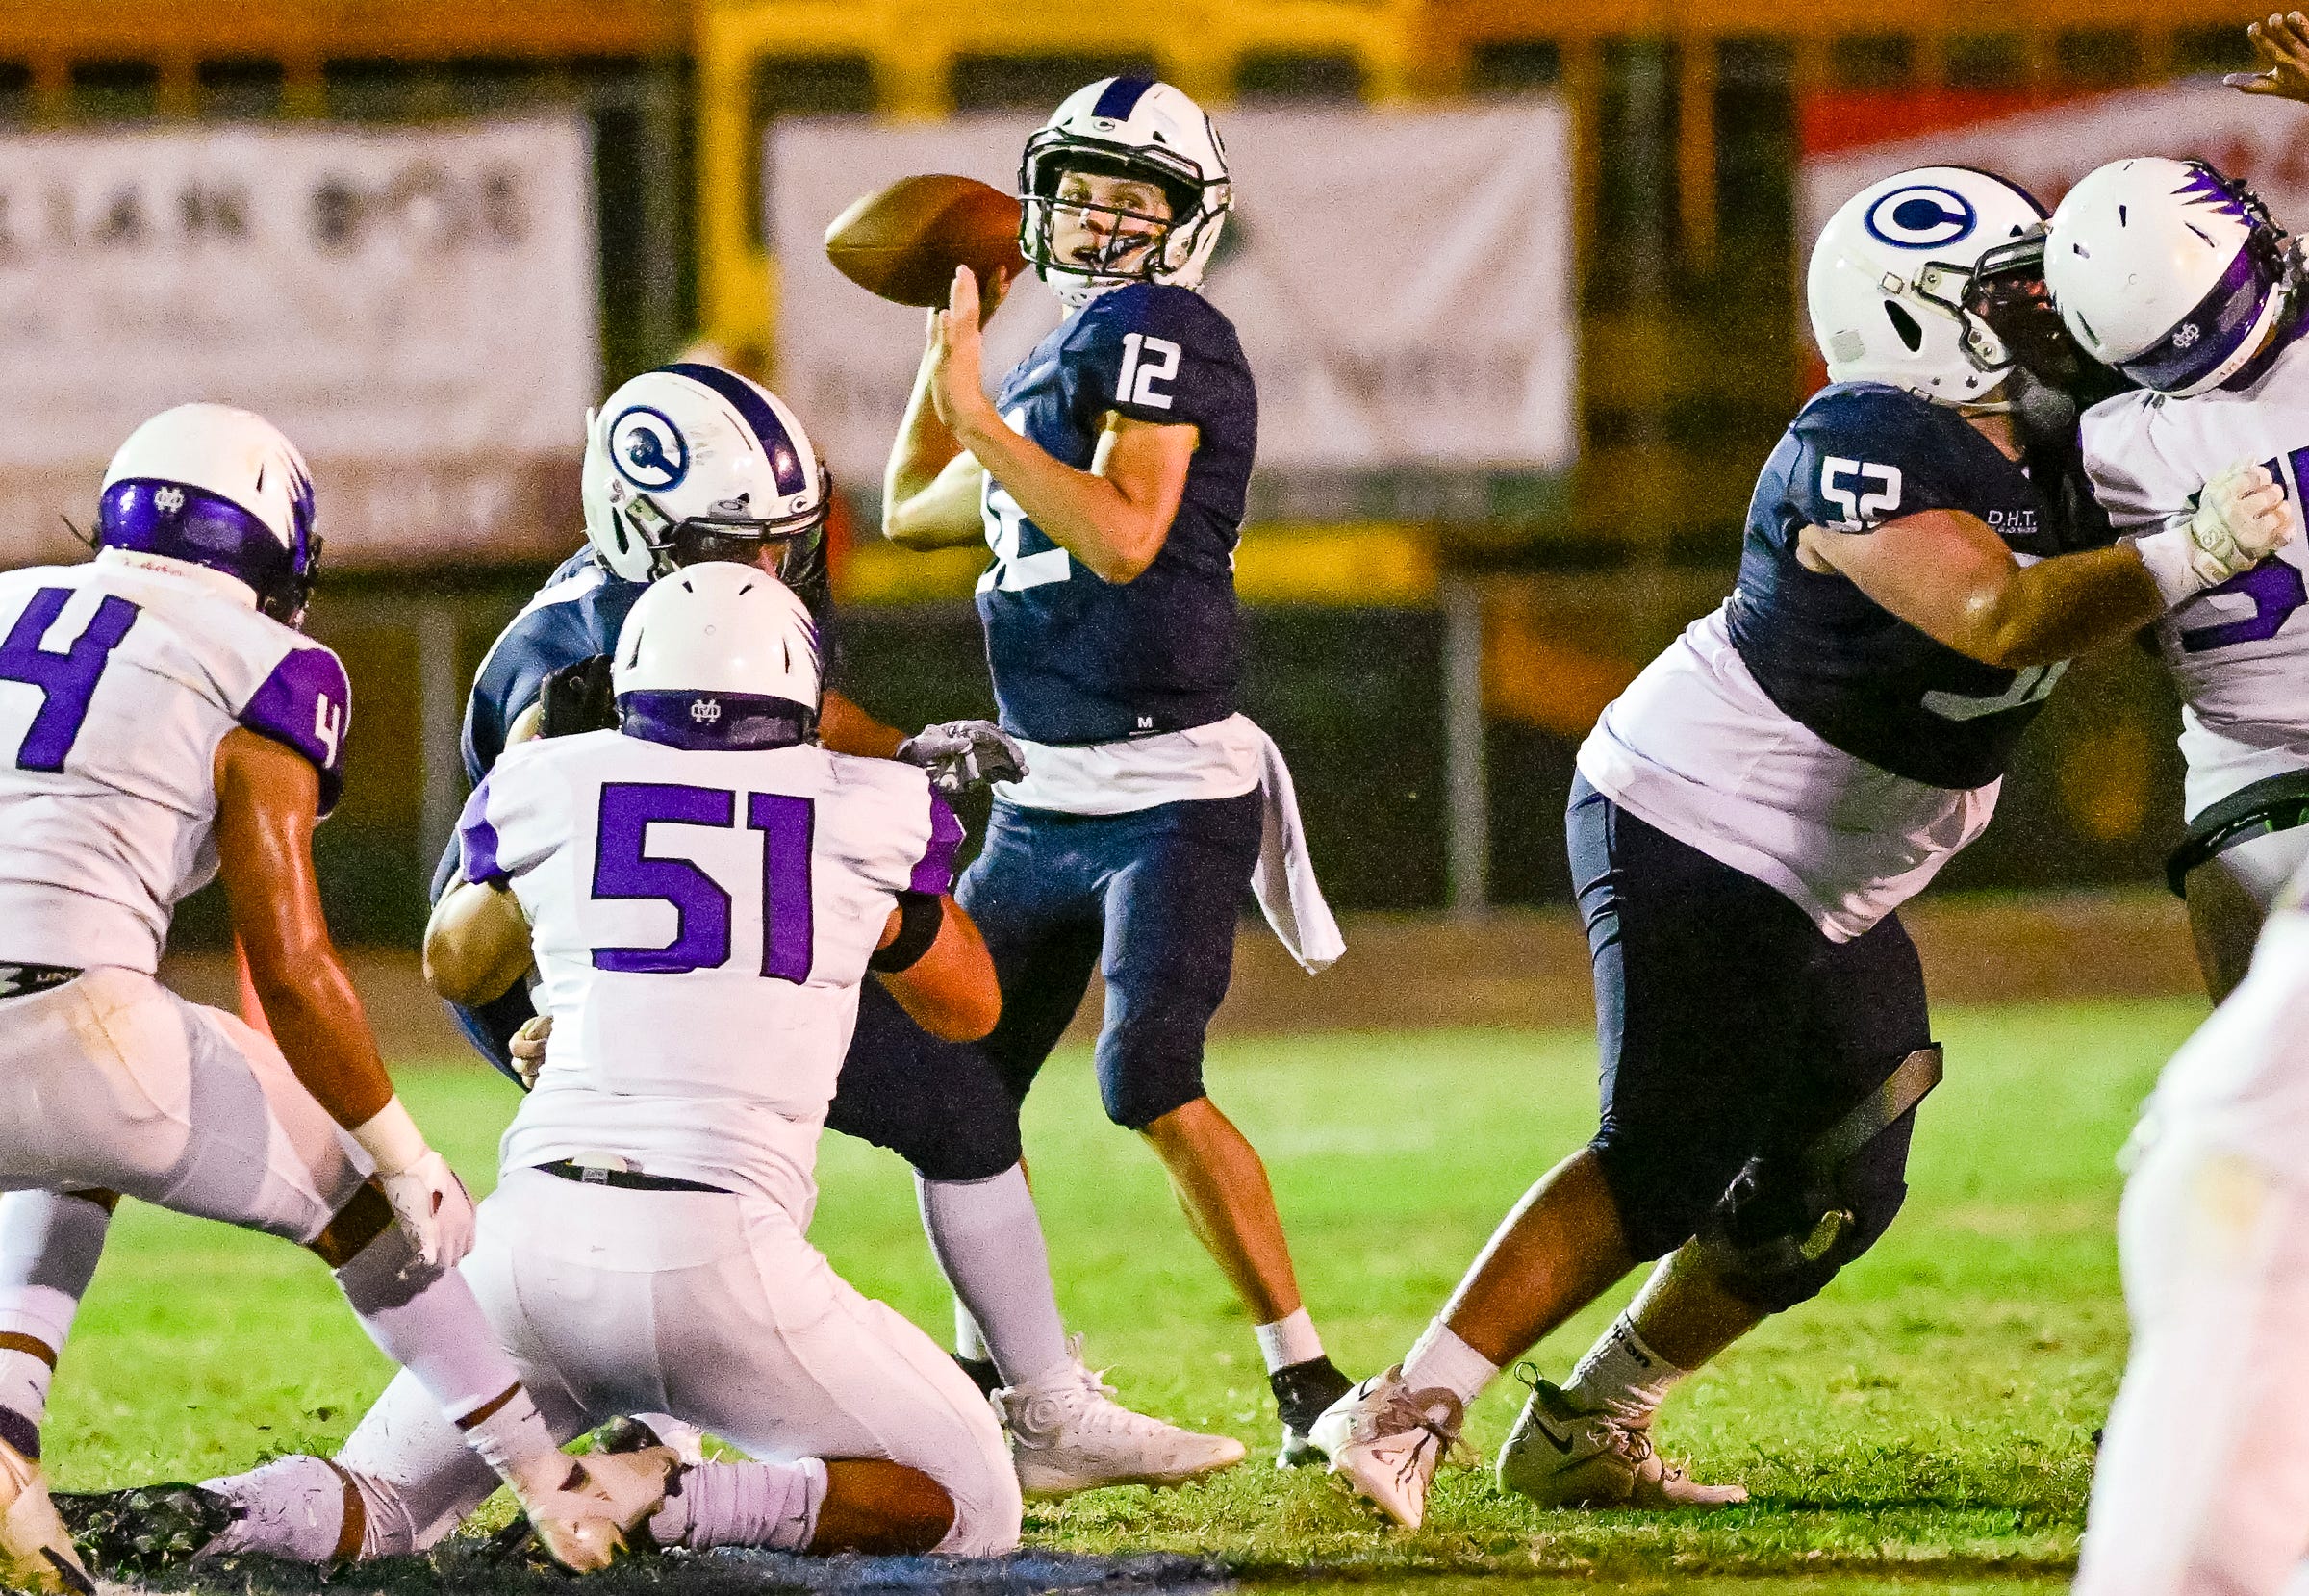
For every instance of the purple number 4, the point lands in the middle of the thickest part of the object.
(67, 682)
(623, 870)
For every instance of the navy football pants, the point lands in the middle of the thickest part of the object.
(1150, 899)
(1731, 1028)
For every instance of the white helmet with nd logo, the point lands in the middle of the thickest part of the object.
(718, 656)
(2167, 272)
(1137, 130)
(1889, 273)
(690, 461)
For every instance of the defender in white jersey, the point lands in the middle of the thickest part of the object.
(161, 720)
(702, 891)
(2175, 276)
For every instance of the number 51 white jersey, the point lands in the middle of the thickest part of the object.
(2238, 652)
(702, 918)
(119, 678)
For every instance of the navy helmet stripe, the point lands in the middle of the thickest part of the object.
(1121, 98)
(785, 460)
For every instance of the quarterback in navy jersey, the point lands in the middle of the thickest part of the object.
(690, 464)
(1748, 818)
(1110, 476)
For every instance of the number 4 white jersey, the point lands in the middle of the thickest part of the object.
(2238, 652)
(119, 678)
(702, 920)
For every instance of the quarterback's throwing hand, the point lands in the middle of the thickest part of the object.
(2282, 44)
(2241, 518)
(962, 754)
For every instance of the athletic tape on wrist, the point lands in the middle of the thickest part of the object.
(392, 1138)
(2167, 556)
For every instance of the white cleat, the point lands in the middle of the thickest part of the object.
(1560, 1457)
(1388, 1440)
(583, 1509)
(1068, 1434)
(36, 1552)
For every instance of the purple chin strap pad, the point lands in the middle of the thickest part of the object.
(188, 523)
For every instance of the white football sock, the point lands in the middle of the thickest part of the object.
(970, 1341)
(988, 1239)
(49, 1247)
(1439, 1358)
(1622, 1376)
(771, 1506)
(430, 1324)
(292, 1507)
(1288, 1340)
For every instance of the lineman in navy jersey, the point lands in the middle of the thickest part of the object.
(1749, 816)
(1111, 477)
(692, 463)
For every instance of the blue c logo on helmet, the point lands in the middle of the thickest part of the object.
(647, 449)
(1923, 216)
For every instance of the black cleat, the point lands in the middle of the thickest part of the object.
(982, 1370)
(1302, 1391)
(146, 1529)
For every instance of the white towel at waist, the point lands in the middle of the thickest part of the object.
(1221, 760)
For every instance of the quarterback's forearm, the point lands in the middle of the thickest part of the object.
(1095, 518)
(843, 728)
(921, 499)
(2059, 608)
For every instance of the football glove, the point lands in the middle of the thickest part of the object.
(962, 754)
(2241, 518)
(430, 1204)
(578, 697)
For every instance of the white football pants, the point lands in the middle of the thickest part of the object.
(2203, 1481)
(714, 1308)
(114, 1081)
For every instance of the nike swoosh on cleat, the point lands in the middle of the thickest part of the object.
(1561, 1443)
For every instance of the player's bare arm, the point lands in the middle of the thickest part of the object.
(950, 990)
(1948, 575)
(476, 942)
(931, 486)
(843, 728)
(268, 803)
(1114, 516)
(2282, 44)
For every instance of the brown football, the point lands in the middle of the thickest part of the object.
(903, 243)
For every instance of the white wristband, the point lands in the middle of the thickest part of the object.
(392, 1138)
(2167, 556)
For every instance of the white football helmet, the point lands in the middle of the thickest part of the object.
(1127, 127)
(2167, 270)
(1887, 284)
(220, 488)
(686, 461)
(718, 656)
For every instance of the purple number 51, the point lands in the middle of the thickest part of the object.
(623, 870)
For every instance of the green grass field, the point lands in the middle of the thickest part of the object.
(1924, 1424)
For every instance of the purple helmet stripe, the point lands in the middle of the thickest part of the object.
(685, 719)
(1121, 98)
(785, 460)
(188, 523)
(2209, 334)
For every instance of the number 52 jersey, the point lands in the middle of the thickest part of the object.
(702, 918)
(119, 678)
(2238, 652)
(1804, 735)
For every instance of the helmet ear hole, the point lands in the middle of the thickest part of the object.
(1910, 331)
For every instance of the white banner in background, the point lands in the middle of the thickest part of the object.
(2266, 142)
(413, 308)
(1401, 281)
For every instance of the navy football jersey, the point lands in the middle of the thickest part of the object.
(1858, 455)
(1076, 659)
(576, 615)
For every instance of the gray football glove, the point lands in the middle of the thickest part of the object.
(962, 754)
